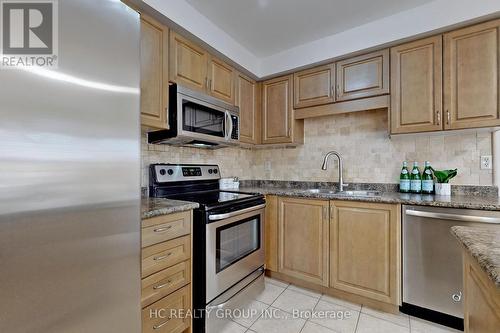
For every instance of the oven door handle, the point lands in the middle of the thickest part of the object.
(217, 217)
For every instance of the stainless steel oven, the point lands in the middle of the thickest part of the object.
(198, 120)
(234, 248)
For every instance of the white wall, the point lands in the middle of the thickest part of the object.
(423, 19)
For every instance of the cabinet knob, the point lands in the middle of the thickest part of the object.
(447, 117)
(438, 117)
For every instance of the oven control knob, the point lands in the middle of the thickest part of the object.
(170, 172)
(163, 172)
(216, 171)
(210, 171)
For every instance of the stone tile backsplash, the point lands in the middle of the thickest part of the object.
(370, 156)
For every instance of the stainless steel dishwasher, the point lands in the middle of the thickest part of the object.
(432, 261)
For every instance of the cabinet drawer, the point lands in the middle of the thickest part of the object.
(164, 282)
(162, 228)
(166, 254)
(165, 316)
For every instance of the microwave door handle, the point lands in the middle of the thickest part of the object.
(228, 125)
(230, 132)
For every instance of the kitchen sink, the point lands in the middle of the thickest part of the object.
(346, 193)
(321, 191)
(360, 193)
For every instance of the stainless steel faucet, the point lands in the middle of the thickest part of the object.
(341, 168)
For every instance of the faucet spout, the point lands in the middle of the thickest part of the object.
(341, 168)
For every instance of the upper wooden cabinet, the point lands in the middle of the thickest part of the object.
(193, 67)
(471, 83)
(314, 86)
(278, 123)
(247, 99)
(221, 78)
(303, 239)
(416, 96)
(363, 76)
(188, 63)
(154, 73)
(365, 249)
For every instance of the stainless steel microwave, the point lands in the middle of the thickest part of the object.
(198, 120)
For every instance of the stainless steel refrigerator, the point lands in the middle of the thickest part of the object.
(70, 179)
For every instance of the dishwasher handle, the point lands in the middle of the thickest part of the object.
(453, 217)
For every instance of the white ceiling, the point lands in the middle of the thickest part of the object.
(266, 27)
(268, 37)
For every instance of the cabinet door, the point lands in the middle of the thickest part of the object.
(188, 63)
(471, 60)
(247, 100)
(365, 249)
(271, 233)
(277, 110)
(482, 299)
(303, 239)
(363, 76)
(154, 73)
(416, 97)
(221, 80)
(314, 86)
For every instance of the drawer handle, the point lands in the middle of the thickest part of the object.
(162, 285)
(162, 229)
(155, 327)
(163, 257)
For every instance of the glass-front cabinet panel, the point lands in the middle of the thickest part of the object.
(236, 241)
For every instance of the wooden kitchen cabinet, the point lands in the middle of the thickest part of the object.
(278, 123)
(188, 63)
(363, 76)
(303, 239)
(154, 73)
(365, 249)
(271, 233)
(416, 86)
(221, 80)
(193, 67)
(471, 82)
(166, 271)
(315, 86)
(248, 100)
(482, 299)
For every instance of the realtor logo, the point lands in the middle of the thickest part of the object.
(29, 33)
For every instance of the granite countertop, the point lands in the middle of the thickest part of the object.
(481, 202)
(151, 207)
(483, 244)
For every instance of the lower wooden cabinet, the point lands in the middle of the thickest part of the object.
(168, 314)
(364, 249)
(166, 273)
(271, 233)
(482, 299)
(349, 249)
(303, 239)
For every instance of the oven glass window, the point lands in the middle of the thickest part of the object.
(237, 240)
(201, 119)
